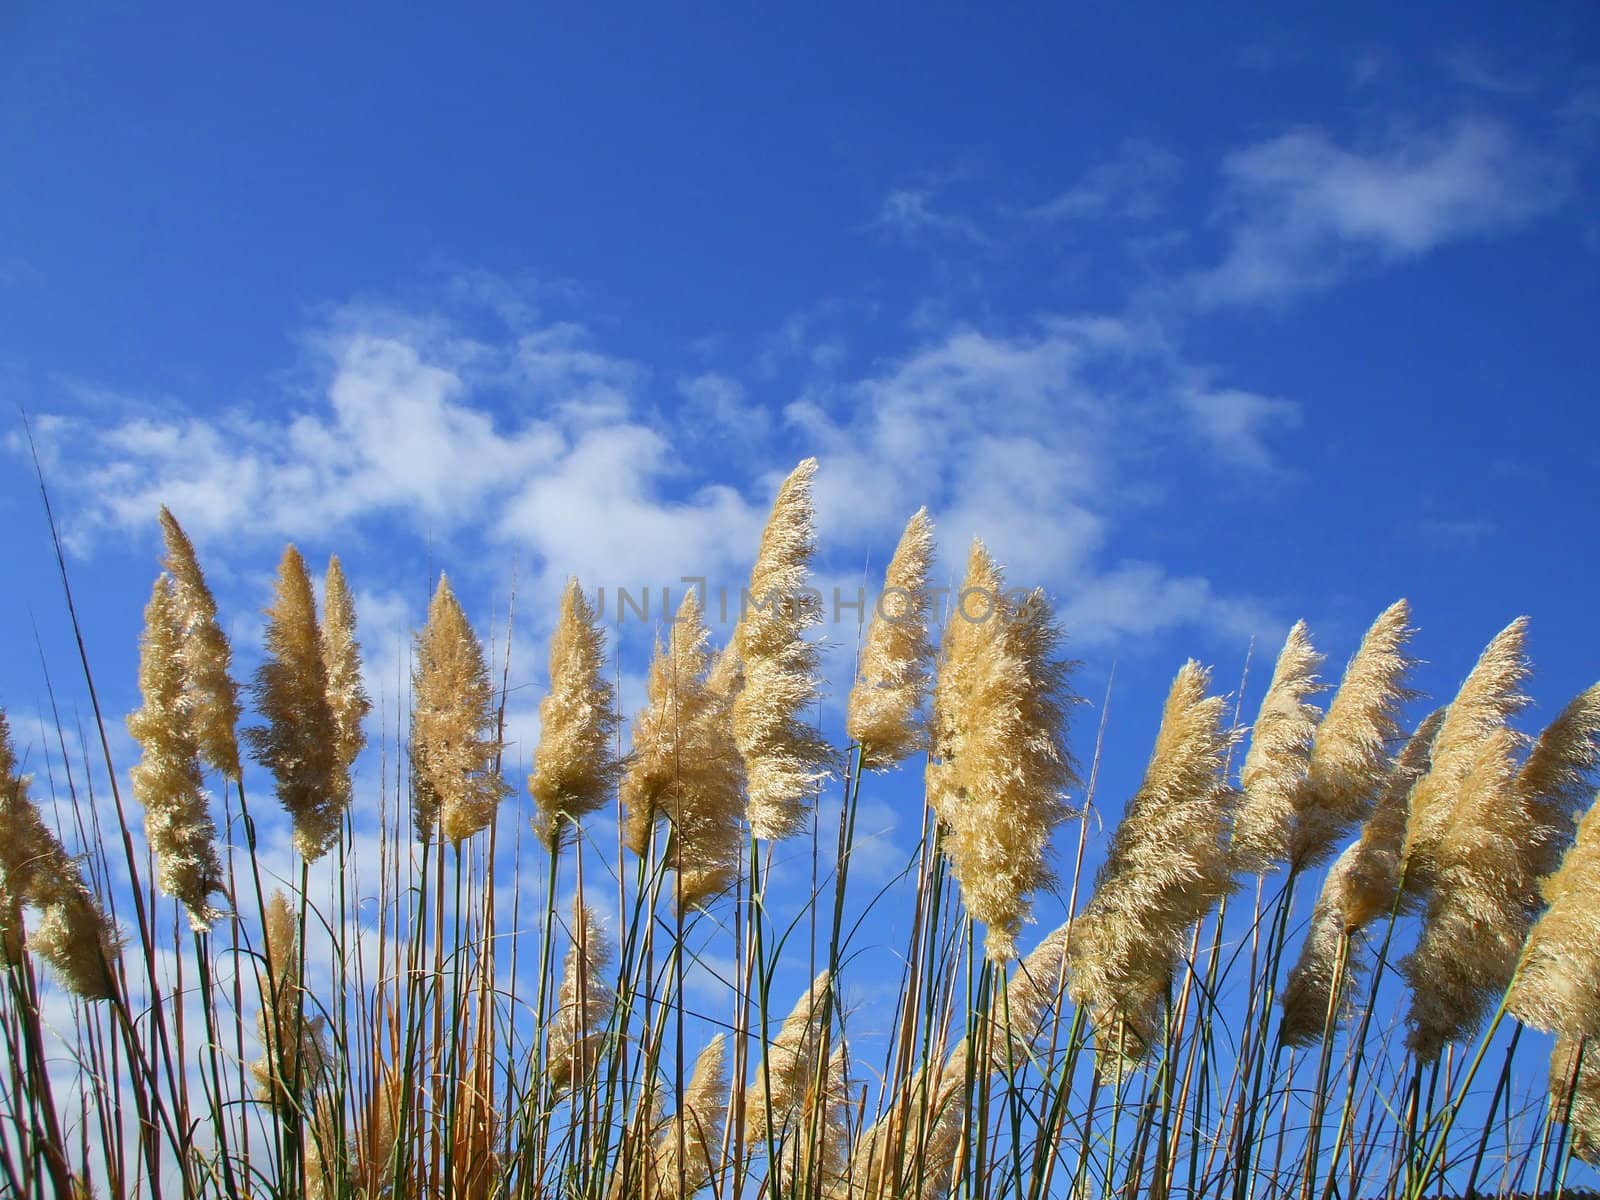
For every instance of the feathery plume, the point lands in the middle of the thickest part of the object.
(1371, 883)
(206, 655)
(792, 1059)
(575, 764)
(166, 780)
(583, 1003)
(1483, 900)
(884, 714)
(1308, 993)
(699, 1125)
(1582, 1093)
(1167, 865)
(1275, 767)
(784, 757)
(291, 691)
(1559, 773)
(1557, 988)
(1489, 696)
(341, 662)
(1350, 754)
(684, 768)
(909, 1152)
(1000, 768)
(296, 1054)
(453, 746)
(1034, 993)
(73, 935)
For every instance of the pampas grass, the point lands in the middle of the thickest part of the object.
(407, 1018)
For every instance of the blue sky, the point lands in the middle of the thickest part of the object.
(1207, 320)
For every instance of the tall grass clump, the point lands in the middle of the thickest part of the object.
(763, 943)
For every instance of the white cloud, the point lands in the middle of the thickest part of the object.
(1133, 185)
(910, 213)
(1236, 424)
(1300, 208)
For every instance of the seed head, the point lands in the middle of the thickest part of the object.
(1167, 866)
(999, 769)
(884, 714)
(575, 765)
(1274, 775)
(298, 743)
(454, 750)
(205, 653)
(167, 781)
(785, 757)
(1350, 756)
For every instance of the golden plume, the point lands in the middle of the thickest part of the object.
(575, 764)
(884, 714)
(684, 768)
(295, 1046)
(909, 1152)
(1559, 773)
(1167, 866)
(166, 780)
(1309, 998)
(1557, 988)
(454, 750)
(785, 757)
(583, 1003)
(1274, 774)
(1484, 898)
(206, 655)
(291, 690)
(1489, 696)
(74, 935)
(698, 1126)
(341, 661)
(1350, 754)
(1371, 882)
(999, 770)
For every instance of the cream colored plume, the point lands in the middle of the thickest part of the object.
(1167, 866)
(1583, 1116)
(583, 1003)
(295, 1045)
(291, 691)
(1350, 755)
(454, 747)
(206, 656)
(999, 769)
(166, 780)
(791, 1063)
(1274, 774)
(1489, 696)
(785, 757)
(685, 769)
(697, 1128)
(1559, 774)
(1483, 900)
(341, 661)
(575, 764)
(1557, 988)
(884, 714)
(1309, 1001)
(909, 1152)
(1371, 883)
(73, 935)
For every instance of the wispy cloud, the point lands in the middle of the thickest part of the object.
(538, 442)
(1133, 185)
(1301, 209)
(910, 212)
